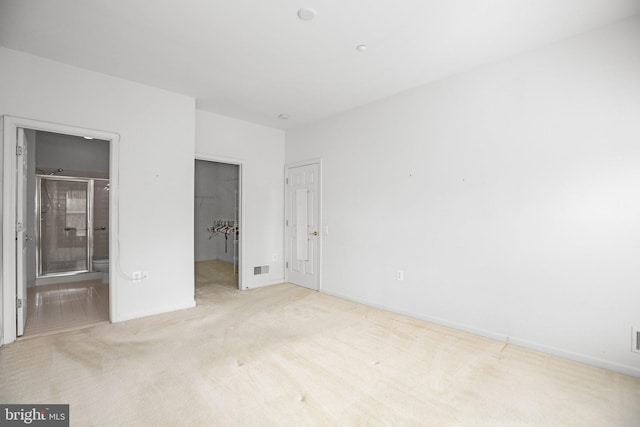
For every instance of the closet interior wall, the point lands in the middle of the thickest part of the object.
(216, 199)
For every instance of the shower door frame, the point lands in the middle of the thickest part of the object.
(89, 244)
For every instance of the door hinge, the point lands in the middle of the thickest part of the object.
(19, 227)
(19, 150)
(286, 222)
(286, 181)
(286, 264)
(18, 302)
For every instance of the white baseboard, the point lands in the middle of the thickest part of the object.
(141, 314)
(260, 284)
(576, 357)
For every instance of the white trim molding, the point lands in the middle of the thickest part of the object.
(10, 125)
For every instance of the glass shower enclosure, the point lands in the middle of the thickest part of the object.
(64, 225)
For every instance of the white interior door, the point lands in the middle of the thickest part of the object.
(21, 232)
(302, 225)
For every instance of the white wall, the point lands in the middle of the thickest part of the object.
(261, 151)
(156, 168)
(509, 195)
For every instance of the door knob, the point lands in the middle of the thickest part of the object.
(315, 233)
(28, 238)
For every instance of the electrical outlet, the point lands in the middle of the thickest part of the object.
(274, 257)
(400, 275)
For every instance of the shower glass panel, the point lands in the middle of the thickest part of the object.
(65, 232)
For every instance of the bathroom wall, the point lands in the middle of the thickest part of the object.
(76, 155)
(216, 189)
(101, 219)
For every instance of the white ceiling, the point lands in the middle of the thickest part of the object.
(254, 59)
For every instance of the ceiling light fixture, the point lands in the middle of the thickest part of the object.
(361, 48)
(306, 13)
(283, 116)
(87, 137)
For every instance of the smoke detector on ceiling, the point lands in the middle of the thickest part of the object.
(306, 13)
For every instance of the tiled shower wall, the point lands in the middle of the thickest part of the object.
(101, 219)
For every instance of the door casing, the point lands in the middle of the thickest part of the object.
(21, 246)
(9, 133)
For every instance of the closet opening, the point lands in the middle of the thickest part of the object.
(217, 226)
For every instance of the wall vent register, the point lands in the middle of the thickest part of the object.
(260, 269)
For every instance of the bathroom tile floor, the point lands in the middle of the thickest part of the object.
(66, 306)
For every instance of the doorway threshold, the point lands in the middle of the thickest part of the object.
(61, 330)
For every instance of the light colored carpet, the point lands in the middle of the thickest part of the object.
(284, 355)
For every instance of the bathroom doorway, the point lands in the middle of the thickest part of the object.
(217, 225)
(60, 195)
(71, 244)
